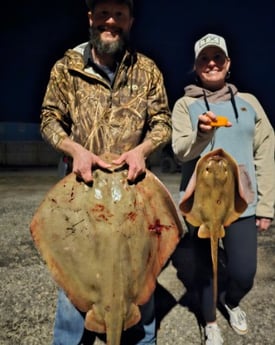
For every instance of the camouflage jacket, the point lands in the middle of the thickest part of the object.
(102, 116)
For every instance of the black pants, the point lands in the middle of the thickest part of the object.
(237, 268)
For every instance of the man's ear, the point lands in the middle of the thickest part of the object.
(131, 23)
(90, 16)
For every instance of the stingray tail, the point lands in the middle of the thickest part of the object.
(214, 255)
(121, 313)
(114, 327)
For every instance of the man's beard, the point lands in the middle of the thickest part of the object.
(112, 48)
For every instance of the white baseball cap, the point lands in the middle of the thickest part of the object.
(210, 40)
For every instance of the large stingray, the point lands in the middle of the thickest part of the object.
(105, 244)
(215, 198)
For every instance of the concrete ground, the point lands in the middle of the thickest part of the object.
(28, 294)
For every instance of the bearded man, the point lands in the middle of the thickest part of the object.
(103, 96)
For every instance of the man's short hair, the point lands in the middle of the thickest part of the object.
(92, 3)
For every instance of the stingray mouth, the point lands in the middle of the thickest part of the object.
(217, 161)
(216, 158)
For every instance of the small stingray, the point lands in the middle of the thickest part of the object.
(215, 198)
(105, 244)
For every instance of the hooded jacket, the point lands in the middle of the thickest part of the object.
(250, 140)
(103, 115)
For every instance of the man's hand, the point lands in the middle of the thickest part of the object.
(83, 163)
(83, 160)
(135, 161)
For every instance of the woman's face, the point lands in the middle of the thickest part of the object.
(212, 66)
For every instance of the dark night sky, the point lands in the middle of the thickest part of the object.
(35, 34)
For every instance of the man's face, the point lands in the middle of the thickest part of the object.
(110, 25)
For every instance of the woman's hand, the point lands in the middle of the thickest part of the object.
(263, 223)
(208, 120)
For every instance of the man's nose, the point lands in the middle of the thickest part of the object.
(111, 19)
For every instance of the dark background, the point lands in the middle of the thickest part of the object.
(34, 34)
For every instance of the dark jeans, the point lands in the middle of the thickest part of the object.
(193, 261)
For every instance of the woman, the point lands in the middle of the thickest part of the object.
(249, 137)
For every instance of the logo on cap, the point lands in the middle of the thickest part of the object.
(210, 39)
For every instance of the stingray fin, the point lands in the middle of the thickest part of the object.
(187, 200)
(193, 219)
(221, 232)
(93, 324)
(204, 232)
(245, 185)
(134, 316)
